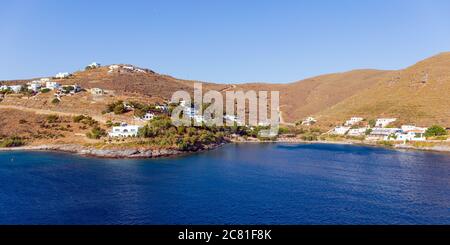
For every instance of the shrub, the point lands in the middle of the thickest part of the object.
(55, 101)
(45, 90)
(435, 130)
(52, 118)
(12, 142)
(96, 133)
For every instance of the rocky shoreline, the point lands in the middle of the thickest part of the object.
(143, 153)
(135, 153)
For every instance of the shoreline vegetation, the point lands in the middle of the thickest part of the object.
(147, 153)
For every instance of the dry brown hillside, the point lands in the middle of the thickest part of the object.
(419, 94)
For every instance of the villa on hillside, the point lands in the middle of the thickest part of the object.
(357, 131)
(147, 117)
(340, 130)
(384, 122)
(124, 130)
(62, 75)
(97, 91)
(382, 133)
(52, 85)
(93, 65)
(15, 88)
(353, 121)
(309, 121)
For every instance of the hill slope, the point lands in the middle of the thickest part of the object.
(419, 94)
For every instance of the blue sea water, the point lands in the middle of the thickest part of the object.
(236, 184)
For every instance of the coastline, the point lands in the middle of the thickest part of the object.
(132, 153)
(143, 153)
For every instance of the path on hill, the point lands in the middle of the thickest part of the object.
(49, 112)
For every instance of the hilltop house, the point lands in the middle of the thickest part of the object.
(93, 65)
(384, 122)
(35, 86)
(15, 88)
(353, 121)
(62, 75)
(4, 88)
(52, 85)
(309, 121)
(340, 130)
(124, 130)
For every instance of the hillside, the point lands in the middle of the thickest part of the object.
(419, 94)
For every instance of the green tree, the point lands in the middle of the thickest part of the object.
(435, 130)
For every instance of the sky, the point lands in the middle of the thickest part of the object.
(227, 41)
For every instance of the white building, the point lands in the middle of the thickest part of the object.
(124, 130)
(62, 75)
(357, 131)
(93, 65)
(147, 117)
(414, 135)
(407, 128)
(52, 85)
(4, 88)
(353, 121)
(34, 86)
(340, 130)
(15, 88)
(383, 133)
(97, 91)
(309, 121)
(384, 122)
(162, 108)
(44, 80)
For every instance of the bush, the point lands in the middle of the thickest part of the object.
(55, 101)
(52, 118)
(12, 142)
(96, 133)
(435, 130)
(45, 90)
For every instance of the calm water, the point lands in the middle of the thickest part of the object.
(237, 184)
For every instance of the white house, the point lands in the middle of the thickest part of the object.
(15, 88)
(384, 122)
(382, 133)
(97, 91)
(147, 117)
(357, 131)
(44, 80)
(309, 121)
(353, 121)
(34, 86)
(340, 130)
(407, 128)
(162, 108)
(415, 135)
(62, 75)
(124, 130)
(94, 65)
(4, 88)
(52, 85)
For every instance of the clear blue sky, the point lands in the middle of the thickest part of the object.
(221, 41)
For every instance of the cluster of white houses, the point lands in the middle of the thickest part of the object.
(381, 131)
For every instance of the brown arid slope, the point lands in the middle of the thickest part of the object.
(419, 94)
(311, 96)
